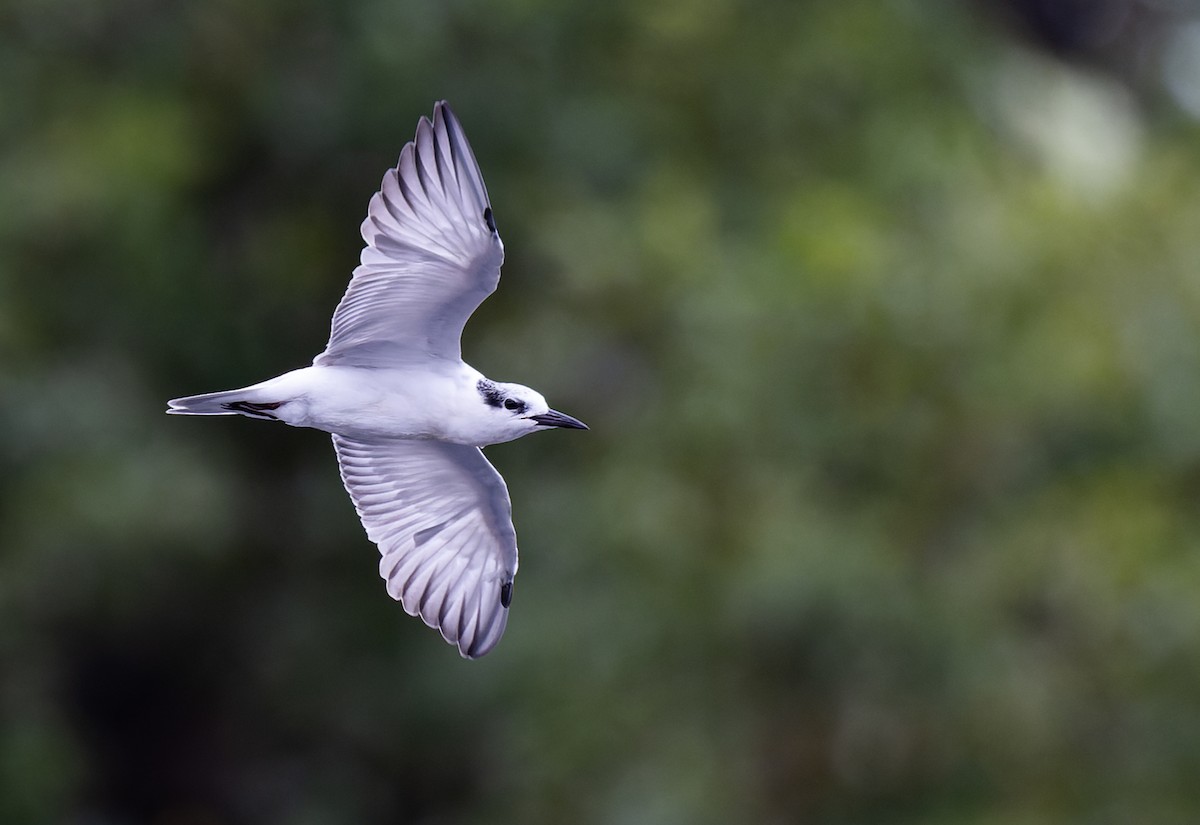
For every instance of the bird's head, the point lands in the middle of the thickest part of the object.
(514, 410)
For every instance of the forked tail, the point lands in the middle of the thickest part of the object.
(230, 402)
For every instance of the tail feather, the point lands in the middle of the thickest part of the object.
(229, 402)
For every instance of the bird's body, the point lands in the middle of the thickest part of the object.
(407, 415)
(444, 402)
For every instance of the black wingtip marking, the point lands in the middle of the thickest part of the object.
(489, 220)
(506, 593)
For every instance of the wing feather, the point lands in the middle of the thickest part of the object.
(432, 255)
(442, 518)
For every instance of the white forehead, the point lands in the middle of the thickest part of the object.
(526, 394)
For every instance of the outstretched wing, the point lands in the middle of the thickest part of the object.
(432, 255)
(441, 516)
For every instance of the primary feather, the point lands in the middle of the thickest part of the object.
(432, 256)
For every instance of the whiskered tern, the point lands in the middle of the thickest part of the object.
(407, 415)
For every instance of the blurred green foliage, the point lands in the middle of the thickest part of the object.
(887, 327)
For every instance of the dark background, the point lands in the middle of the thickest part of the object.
(885, 315)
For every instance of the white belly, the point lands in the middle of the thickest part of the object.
(366, 403)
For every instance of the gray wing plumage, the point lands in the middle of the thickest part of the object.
(442, 518)
(432, 255)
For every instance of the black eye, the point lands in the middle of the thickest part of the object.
(512, 404)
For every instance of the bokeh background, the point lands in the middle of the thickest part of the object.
(885, 315)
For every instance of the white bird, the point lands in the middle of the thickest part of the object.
(407, 415)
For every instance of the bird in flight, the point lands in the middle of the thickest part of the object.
(407, 415)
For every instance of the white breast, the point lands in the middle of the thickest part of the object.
(362, 402)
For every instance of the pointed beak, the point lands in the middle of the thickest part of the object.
(554, 418)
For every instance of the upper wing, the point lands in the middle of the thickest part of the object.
(432, 255)
(441, 516)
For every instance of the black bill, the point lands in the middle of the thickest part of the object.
(554, 418)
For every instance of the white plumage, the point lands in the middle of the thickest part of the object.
(407, 415)
(432, 255)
